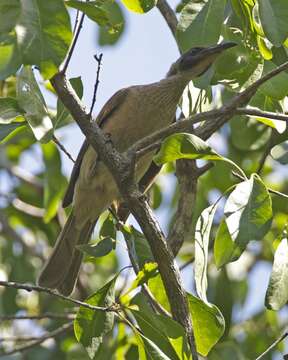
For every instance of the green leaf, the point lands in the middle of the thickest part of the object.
(9, 110)
(117, 23)
(32, 102)
(248, 133)
(148, 350)
(54, 181)
(92, 9)
(44, 34)
(202, 234)
(138, 244)
(63, 116)
(206, 23)
(90, 325)
(8, 129)
(248, 216)
(280, 153)
(9, 12)
(147, 272)
(184, 146)
(108, 228)
(208, 324)
(10, 59)
(274, 19)
(277, 292)
(277, 87)
(102, 248)
(264, 49)
(166, 333)
(139, 6)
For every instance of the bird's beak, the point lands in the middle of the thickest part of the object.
(217, 49)
(200, 63)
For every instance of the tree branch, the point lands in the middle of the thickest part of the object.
(27, 287)
(52, 334)
(272, 346)
(260, 113)
(168, 14)
(68, 316)
(122, 171)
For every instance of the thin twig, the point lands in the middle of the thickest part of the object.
(168, 14)
(68, 316)
(260, 113)
(265, 154)
(272, 346)
(64, 67)
(99, 63)
(62, 148)
(28, 287)
(275, 192)
(52, 334)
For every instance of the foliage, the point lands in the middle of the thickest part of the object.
(234, 220)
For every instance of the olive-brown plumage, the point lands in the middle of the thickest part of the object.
(131, 114)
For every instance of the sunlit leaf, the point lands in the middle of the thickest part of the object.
(202, 234)
(264, 49)
(280, 153)
(165, 332)
(43, 37)
(91, 325)
(10, 59)
(277, 292)
(208, 324)
(139, 6)
(32, 102)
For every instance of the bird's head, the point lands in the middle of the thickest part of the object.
(196, 61)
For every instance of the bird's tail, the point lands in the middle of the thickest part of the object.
(61, 270)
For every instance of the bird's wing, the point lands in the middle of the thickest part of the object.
(108, 109)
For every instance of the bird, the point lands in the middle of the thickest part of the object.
(128, 116)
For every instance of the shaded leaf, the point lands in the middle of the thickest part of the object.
(54, 181)
(108, 228)
(274, 18)
(202, 234)
(206, 22)
(32, 102)
(8, 129)
(277, 87)
(9, 12)
(43, 38)
(102, 248)
(148, 350)
(90, 326)
(248, 216)
(117, 23)
(9, 110)
(277, 292)
(139, 6)
(63, 116)
(93, 9)
(139, 246)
